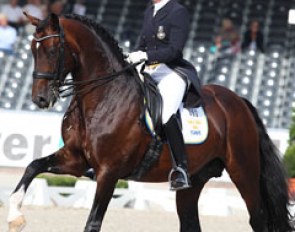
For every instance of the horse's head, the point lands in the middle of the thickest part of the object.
(52, 60)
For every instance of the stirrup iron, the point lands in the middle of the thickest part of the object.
(186, 183)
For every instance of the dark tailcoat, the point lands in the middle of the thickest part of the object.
(163, 38)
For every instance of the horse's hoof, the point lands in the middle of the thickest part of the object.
(17, 225)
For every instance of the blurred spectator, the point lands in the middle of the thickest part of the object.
(253, 38)
(34, 8)
(8, 35)
(56, 7)
(227, 42)
(14, 14)
(226, 46)
(217, 45)
(79, 7)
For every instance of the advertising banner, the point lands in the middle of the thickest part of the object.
(25, 136)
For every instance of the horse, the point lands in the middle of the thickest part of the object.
(103, 129)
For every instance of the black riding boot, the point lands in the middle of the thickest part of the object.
(178, 176)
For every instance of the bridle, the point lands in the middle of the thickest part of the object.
(56, 76)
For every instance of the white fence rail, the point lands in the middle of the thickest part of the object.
(214, 201)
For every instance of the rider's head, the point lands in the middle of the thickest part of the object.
(156, 1)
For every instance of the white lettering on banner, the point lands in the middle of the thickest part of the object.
(25, 136)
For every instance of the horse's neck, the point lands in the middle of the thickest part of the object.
(94, 63)
(115, 98)
(93, 53)
(97, 59)
(112, 104)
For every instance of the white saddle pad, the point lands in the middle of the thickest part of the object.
(194, 125)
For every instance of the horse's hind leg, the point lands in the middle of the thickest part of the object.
(61, 162)
(246, 177)
(187, 208)
(187, 199)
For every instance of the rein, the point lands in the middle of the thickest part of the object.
(93, 83)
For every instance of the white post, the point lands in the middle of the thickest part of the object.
(38, 193)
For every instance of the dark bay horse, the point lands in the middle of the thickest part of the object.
(102, 129)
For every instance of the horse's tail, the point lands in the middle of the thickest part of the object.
(273, 181)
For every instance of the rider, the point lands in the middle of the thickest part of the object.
(164, 34)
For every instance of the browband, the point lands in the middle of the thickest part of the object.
(45, 37)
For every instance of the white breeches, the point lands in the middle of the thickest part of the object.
(171, 86)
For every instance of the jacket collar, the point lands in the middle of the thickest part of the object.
(163, 11)
(160, 5)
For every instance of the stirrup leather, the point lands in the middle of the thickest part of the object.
(186, 183)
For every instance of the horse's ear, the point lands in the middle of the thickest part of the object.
(54, 22)
(34, 21)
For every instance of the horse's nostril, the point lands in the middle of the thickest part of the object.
(41, 101)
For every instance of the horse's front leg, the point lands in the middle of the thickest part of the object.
(62, 162)
(106, 182)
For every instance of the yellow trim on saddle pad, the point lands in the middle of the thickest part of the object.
(153, 66)
(194, 125)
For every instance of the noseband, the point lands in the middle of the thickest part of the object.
(56, 76)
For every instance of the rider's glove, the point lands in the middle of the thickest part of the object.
(136, 57)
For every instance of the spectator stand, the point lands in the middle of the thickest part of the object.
(265, 79)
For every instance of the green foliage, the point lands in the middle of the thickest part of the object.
(292, 135)
(289, 157)
(68, 181)
(289, 160)
(122, 184)
(52, 180)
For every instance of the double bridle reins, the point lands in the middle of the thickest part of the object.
(56, 76)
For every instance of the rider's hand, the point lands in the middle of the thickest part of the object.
(136, 57)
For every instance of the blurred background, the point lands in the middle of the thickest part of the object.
(220, 46)
(245, 45)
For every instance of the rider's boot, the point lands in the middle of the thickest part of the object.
(178, 176)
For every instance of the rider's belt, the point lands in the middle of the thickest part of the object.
(153, 66)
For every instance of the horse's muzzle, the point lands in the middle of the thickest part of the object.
(41, 102)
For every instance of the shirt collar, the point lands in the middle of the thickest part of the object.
(159, 5)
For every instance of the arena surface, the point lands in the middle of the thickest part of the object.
(56, 219)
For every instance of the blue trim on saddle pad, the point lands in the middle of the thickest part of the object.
(194, 125)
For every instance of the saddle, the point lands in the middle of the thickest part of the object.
(153, 104)
(153, 101)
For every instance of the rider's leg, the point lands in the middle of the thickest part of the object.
(178, 177)
(172, 88)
